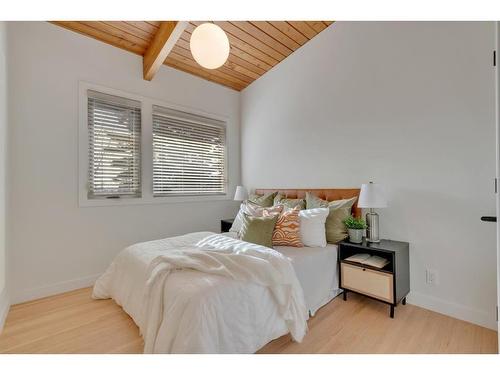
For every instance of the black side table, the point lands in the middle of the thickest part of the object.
(226, 224)
(390, 284)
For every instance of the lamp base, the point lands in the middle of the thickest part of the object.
(372, 234)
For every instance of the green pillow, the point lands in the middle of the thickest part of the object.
(339, 210)
(335, 228)
(265, 200)
(288, 202)
(258, 230)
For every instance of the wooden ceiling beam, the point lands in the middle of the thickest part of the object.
(167, 35)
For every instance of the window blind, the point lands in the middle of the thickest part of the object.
(114, 129)
(189, 154)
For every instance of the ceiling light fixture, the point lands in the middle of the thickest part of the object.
(209, 46)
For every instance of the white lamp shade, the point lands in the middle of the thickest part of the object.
(209, 46)
(241, 194)
(372, 196)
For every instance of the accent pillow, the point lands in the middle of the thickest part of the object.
(265, 200)
(313, 201)
(252, 209)
(236, 227)
(258, 230)
(287, 229)
(312, 227)
(288, 202)
(336, 230)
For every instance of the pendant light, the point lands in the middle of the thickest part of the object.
(209, 46)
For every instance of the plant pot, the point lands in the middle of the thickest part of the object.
(355, 235)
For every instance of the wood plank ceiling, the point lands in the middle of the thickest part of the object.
(256, 46)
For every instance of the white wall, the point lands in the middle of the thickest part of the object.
(409, 105)
(55, 244)
(4, 302)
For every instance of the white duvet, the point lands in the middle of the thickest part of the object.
(206, 293)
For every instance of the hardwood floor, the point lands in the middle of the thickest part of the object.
(74, 323)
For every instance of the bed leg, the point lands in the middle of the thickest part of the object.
(344, 295)
(392, 312)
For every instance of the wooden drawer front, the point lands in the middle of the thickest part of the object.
(372, 283)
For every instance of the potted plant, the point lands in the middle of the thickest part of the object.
(355, 228)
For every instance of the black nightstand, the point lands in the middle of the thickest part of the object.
(225, 225)
(390, 284)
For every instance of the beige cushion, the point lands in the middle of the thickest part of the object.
(258, 230)
(313, 201)
(289, 203)
(265, 200)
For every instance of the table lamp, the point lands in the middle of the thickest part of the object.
(372, 196)
(241, 194)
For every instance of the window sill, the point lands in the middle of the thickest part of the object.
(85, 202)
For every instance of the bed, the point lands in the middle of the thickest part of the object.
(317, 271)
(210, 293)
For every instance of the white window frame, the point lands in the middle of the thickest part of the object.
(146, 151)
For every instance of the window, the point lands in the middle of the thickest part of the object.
(146, 151)
(114, 135)
(189, 154)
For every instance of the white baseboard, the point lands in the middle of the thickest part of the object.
(454, 310)
(4, 307)
(52, 289)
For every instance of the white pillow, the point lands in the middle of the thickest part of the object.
(236, 227)
(252, 209)
(312, 226)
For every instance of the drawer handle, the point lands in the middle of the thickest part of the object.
(364, 269)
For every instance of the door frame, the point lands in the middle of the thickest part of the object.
(497, 120)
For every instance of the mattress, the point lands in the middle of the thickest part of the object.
(317, 271)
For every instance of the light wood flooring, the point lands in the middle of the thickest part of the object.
(74, 323)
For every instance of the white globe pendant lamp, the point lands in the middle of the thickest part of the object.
(209, 46)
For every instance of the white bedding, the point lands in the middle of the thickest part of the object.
(202, 312)
(317, 271)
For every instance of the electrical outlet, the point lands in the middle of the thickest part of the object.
(431, 277)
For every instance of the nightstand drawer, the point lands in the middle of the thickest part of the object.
(372, 283)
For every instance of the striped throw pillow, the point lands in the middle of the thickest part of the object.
(287, 229)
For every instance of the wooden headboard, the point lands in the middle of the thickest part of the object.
(326, 194)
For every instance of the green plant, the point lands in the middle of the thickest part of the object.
(354, 223)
